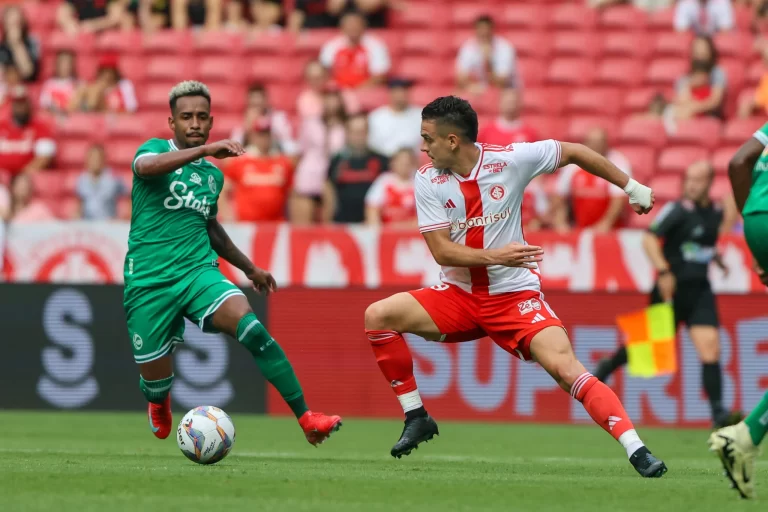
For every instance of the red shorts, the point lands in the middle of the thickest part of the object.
(511, 320)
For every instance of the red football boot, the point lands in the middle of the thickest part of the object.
(160, 418)
(318, 427)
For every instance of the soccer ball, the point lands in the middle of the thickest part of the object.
(206, 434)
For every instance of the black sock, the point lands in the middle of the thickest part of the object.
(616, 361)
(713, 385)
(415, 413)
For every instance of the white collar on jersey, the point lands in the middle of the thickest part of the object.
(475, 170)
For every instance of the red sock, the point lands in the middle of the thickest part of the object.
(602, 404)
(394, 359)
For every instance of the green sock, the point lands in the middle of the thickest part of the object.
(156, 390)
(272, 362)
(757, 421)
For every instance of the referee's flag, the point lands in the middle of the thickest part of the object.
(650, 340)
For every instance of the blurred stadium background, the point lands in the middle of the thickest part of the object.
(654, 85)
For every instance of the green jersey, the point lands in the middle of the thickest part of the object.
(169, 236)
(758, 193)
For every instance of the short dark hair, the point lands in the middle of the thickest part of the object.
(484, 19)
(454, 111)
(257, 87)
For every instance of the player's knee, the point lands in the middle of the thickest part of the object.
(378, 316)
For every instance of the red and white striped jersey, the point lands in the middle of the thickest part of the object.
(483, 210)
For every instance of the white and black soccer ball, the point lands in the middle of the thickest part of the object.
(206, 434)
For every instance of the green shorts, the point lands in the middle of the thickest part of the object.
(155, 316)
(756, 234)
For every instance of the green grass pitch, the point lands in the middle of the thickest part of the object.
(110, 462)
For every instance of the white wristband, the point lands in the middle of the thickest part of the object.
(638, 194)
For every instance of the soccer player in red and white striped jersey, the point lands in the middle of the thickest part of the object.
(469, 202)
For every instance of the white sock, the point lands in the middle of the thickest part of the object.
(410, 401)
(631, 442)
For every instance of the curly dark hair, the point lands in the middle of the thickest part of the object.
(453, 111)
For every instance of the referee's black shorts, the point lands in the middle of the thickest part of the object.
(693, 303)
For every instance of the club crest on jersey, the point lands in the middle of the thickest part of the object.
(495, 167)
(212, 184)
(195, 178)
(137, 341)
(529, 306)
(181, 198)
(497, 192)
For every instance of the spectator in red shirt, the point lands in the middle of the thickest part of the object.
(261, 179)
(26, 145)
(110, 92)
(588, 200)
(60, 91)
(391, 200)
(93, 15)
(355, 58)
(508, 128)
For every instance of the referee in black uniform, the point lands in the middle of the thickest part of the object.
(680, 244)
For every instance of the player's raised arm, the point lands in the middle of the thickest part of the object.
(149, 164)
(226, 248)
(740, 169)
(640, 197)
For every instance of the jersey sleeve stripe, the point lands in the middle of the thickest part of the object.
(761, 137)
(434, 227)
(133, 165)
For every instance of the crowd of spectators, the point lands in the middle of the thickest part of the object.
(347, 150)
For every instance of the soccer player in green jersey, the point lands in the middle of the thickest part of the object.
(737, 445)
(171, 270)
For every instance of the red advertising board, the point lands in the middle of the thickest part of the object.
(322, 333)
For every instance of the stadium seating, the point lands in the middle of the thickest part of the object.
(579, 68)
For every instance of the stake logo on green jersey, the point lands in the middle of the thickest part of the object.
(169, 235)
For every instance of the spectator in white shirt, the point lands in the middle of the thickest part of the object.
(485, 59)
(704, 16)
(355, 58)
(97, 188)
(391, 200)
(397, 125)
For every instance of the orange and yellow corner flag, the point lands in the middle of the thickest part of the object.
(650, 340)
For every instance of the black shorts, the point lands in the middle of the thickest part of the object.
(693, 303)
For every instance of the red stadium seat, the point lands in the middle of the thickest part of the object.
(722, 157)
(66, 208)
(120, 42)
(637, 101)
(224, 125)
(672, 44)
(738, 131)
(274, 70)
(632, 44)
(283, 96)
(623, 17)
(392, 39)
(120, 154)
(530, 44)
(168, 67)
(224, 69)
(666, 71)
(547, 127)
(568, 71)
(137, 125)
(641, 221)
(420, 15)
(532, 71)
(703, 132)
(667, 188)
(417, 42)
(424, 69)
(41, 17)
(423, 94)
(167, 42)
(576, 44)
(155, 95)
(48, 184)
(637, 130)
(80, 126)
(269, 43)
(721, 188)
(527, 16)
(69, 181)
(735, 44)
(662, 21)
(676, 159)
(82, 42)
(220, 42)
(124, 207)
(736, 72)
(755, 72)
(133, 68)
(621, 72)
(465, 14)
(596, 101)
(227, 98)
(544, 100)
(374, 97)
(573, 17)
(578, 127)
(744, 17)
(71, 153)
(642, 159)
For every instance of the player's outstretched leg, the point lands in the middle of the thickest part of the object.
(385, 321)
(235, 318)
(737, 447)
(552, 349)
(155, 382)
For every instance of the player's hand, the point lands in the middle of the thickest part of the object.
(224, 149)
(262, 281)
(640, 210)
(667, 284)
(519, 255)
